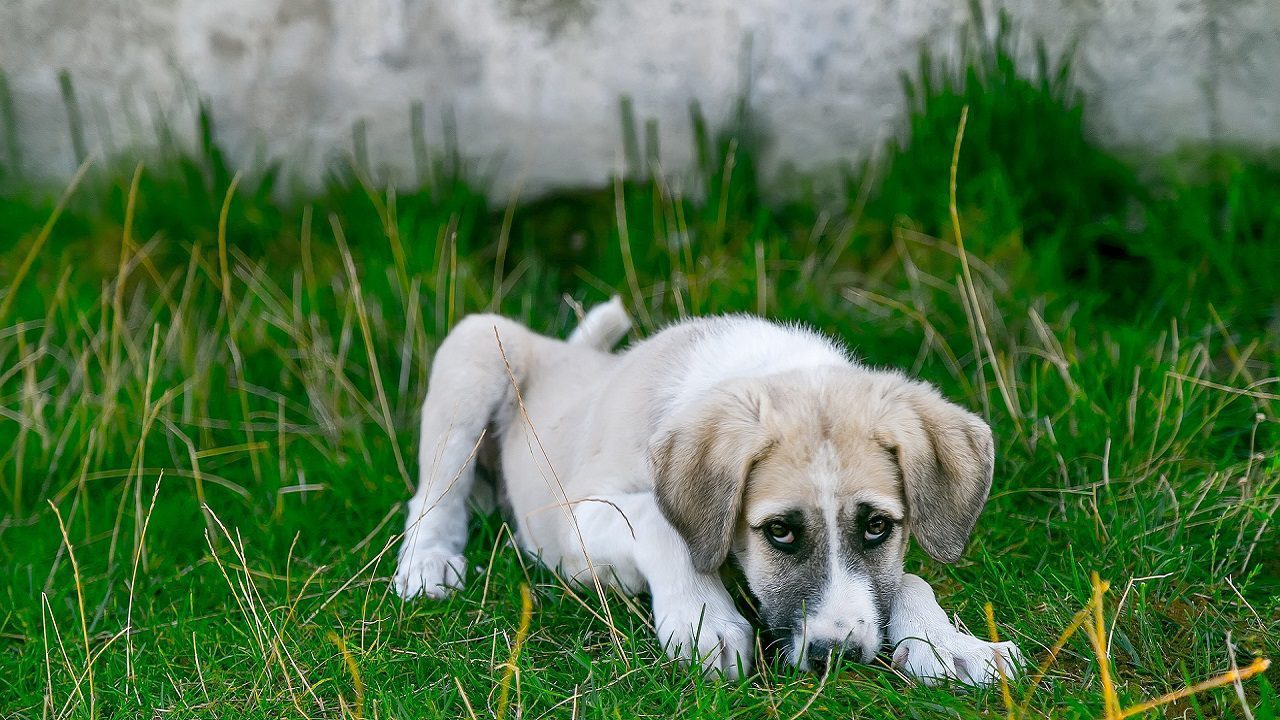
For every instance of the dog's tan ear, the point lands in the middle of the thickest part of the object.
(947, 458)
(700, 467)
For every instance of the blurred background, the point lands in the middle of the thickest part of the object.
(539, 94)
(1094, 127)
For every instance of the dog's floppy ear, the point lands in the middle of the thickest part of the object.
(700, 466)
(947, 458)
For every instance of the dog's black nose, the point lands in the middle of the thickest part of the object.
(820, 653)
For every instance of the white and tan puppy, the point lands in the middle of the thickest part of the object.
(728, 440)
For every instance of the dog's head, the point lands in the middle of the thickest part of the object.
(812, 481)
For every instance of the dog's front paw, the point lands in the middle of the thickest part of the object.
(715, 637)
(428, 572)
(958, 657)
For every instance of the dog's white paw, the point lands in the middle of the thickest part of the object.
(718, 638)
(427, 572)
(958, 657)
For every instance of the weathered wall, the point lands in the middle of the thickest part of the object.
(536, 84)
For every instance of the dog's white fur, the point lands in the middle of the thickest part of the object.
(574, 425)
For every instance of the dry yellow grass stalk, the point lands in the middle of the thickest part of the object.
(509, 668)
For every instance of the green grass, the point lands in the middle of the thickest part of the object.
(225, 450)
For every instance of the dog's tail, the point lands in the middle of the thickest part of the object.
(603, 326)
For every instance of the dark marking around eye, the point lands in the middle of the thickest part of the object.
(785, 532)
(870, 526)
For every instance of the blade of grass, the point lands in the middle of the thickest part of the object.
(41, 238)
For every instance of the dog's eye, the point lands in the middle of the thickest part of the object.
(780, 534)
(877, 530)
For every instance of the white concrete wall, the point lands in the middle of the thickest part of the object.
(535, 85)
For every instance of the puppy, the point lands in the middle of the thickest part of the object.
(719, 440)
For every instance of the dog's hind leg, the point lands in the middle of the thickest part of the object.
(470, 392)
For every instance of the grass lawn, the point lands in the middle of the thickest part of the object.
(208, 403)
